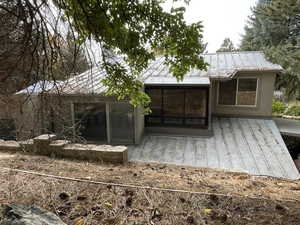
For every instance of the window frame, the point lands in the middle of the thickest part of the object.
(236, 94)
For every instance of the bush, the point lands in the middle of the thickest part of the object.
(293, 110)
(278, 107)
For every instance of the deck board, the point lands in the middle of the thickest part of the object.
(213, 160)
(243, 147)
(253, 145)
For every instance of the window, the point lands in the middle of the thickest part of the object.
(240, 92)
(246, 94)
(174, 106)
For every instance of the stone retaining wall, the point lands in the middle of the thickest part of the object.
(48, 145)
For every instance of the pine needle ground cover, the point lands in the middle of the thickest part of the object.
(85, 203)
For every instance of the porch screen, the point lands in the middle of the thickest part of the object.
(90, 119)
(175, 106)
(121, 123)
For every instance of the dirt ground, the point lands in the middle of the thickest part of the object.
(85, 203)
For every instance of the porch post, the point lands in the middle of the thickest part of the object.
(108, 133)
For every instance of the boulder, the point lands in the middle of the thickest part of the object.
(18, 214)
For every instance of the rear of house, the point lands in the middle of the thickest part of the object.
(196, 121)
(237, 84)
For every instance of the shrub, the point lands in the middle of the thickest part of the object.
(293, 110)
(278, 107)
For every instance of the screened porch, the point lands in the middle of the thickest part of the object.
(178, 106)
(105, 122)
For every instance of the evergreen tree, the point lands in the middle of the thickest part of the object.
(227, 46)
(275, 29)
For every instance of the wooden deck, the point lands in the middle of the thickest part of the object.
(253, 145)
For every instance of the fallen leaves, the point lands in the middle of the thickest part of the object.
(79, 221)
(108, 204)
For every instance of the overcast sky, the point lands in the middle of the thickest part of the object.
(221, 19)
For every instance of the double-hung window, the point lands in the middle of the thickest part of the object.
(238, 92)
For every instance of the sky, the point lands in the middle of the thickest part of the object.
(221, 19)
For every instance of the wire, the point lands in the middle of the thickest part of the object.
(143, 187)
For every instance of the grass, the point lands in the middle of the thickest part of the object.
(101, 204)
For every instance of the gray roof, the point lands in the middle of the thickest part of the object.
(40, 87)
(222, 66)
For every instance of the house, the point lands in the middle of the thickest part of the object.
(208, 111)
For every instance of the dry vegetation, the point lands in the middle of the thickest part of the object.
(106, 204)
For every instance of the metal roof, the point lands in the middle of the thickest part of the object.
(221, 66)
(40, 87)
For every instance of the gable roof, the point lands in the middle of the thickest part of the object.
(222, 65)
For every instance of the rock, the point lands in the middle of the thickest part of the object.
(18, 214)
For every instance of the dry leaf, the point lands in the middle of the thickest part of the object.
(79, 221)
(108, 204)
(207, 211)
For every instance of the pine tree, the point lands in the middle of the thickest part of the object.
(227, 46)
(275, 29)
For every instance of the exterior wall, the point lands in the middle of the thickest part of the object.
(266, 81)
(23, 110)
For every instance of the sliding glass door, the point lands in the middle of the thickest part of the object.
(178, 106)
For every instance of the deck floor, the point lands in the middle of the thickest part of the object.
(252, 145)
